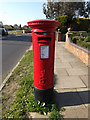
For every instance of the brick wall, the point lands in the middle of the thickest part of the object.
(82, 53)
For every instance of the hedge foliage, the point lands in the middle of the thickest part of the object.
(76, 24)
(82, 41)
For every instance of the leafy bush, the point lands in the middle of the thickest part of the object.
(74, 39)
(55, 115)
(87, 39)
(83, 44)
(82, 38)
(42, 108)
(82, 41)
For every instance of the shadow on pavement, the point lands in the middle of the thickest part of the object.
(72, 98)
(55, 79)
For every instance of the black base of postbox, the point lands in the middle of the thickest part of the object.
(44, 95)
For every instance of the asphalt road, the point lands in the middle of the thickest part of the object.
(13, 48)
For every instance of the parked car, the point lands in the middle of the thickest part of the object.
(26, 31)
(3, 31)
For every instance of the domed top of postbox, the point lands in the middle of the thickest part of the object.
(43, 24)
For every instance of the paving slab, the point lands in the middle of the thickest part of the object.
(71, 101)
(85, 79)
(61, 52)
(85, 69)
(67, 55)
(60, 47)
(78, 64)
(37, 116)
(60, 64)
(76, 112)
(57, 60)
(66, 59)
(61, 71)
(77, 71)
(68, 82)
(56, 56)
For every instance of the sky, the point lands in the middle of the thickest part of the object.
(20, 12)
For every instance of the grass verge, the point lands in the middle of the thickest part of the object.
(18, 93)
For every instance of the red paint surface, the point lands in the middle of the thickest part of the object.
(43, 68)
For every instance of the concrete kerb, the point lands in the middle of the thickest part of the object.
(11, 72)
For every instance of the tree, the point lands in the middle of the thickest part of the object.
(49, 12)
(87, 10)
(15, 25)
(77, 24)
(83, 9)
(20, 26)
(63, 23)
(73, 9)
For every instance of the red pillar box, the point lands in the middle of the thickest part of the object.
(43, 37)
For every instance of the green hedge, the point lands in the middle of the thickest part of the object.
(82, 41)
(78, 31)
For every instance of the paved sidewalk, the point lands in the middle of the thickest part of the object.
(71, 83)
